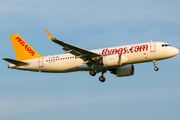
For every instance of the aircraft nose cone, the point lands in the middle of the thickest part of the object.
(176, 51)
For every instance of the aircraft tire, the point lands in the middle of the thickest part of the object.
(156, 68)
(92, 72)
(102, 79)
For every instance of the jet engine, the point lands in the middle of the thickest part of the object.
(113, 60)
(126, 70)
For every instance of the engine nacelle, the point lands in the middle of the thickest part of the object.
(126, 70)
(110, 60)
(113, 60)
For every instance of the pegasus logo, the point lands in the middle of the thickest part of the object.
(26, 47)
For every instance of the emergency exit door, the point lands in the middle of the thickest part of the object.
(152, 46)
(40, 62)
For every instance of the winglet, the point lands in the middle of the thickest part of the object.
(50, 36)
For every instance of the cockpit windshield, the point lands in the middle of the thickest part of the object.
(165, 45)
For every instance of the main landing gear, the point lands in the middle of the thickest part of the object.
(155, 67)
(101, 78)
(92, 72)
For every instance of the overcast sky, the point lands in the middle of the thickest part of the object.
(91, 24)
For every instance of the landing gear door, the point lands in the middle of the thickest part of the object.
(152, 46)
(40, 62)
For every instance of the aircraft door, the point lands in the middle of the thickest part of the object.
(40, 62)
(152, 46)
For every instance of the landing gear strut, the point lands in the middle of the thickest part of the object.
(155, 67)
(92, 72)
(102, 78)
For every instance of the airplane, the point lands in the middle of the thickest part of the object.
(118, 60)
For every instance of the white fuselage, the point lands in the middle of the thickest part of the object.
(136, 53)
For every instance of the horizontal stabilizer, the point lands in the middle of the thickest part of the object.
(16, 62)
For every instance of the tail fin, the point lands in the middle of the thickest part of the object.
(22, 50)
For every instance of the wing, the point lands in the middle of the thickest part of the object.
(85, 55)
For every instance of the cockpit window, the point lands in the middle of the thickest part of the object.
(165, 45)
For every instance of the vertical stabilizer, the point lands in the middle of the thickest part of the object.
(22, 50)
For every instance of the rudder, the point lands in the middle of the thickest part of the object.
(23, 50)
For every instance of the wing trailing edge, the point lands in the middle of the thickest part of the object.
(84, 54)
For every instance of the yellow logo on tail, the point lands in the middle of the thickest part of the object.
(22, 50)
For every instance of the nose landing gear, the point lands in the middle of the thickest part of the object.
(155, 67)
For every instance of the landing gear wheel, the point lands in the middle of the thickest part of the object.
(156, 68)
(92, 72)
(102, 79)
